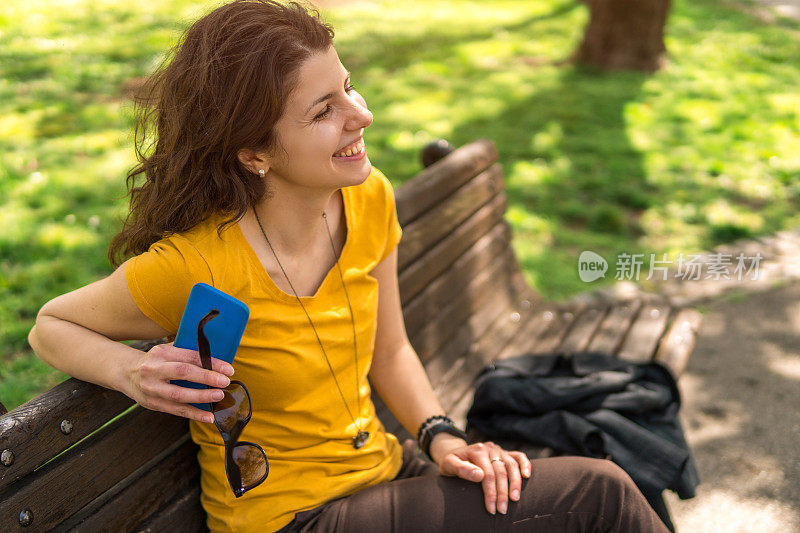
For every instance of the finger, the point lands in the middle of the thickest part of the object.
(452, 465)
(524, 462)
(501, 481)
(514, 477)
(189, 372)
(181, 409)
(178, 394)
(480, 457)
(173, 353)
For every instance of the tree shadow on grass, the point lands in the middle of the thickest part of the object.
(567, 157)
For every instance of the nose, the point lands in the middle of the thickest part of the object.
(360, 116)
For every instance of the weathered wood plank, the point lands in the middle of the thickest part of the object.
(184, 514)
(583, 327)
(67, 484)
(437, 182)
(559, 323)
(537, 328)
(642, 339)
(449, 284)
(480, 353)
(413, 278)
(491, 305)
(678, 343)
(615, 325)
(437, 223)
(142, 493)
(34, 432)
(483, 299)
(428, 341)
(521, 329)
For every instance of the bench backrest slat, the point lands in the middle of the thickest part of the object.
(445, 217)
(422, 309)
(35, 431)
(415, 276)
(142, 493)
(437, 182)
(86, 471)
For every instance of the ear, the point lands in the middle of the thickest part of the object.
(254, 161)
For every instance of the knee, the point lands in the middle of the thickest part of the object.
(604, 475)
(608, 469)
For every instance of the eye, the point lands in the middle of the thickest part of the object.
(350, 87)
(324, 113)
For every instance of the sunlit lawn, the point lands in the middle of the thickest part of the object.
(703, 152)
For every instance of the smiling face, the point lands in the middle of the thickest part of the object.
(324, 115)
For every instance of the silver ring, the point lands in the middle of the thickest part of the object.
(496, 459)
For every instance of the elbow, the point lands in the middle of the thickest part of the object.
(33, 339)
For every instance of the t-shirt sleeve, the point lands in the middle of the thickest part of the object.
(393, 230)
(161, 278)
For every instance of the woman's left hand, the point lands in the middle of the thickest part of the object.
(501, 479)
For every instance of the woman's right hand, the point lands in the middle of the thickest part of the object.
(149, 381)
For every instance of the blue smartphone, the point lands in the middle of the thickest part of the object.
(224, 332)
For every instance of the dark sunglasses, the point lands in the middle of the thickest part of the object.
(246, 463)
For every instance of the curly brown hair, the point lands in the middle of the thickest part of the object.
(226, 87)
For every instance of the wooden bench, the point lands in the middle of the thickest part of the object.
(465, 304)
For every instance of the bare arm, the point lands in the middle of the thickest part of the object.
(397, 373)
(400, 379)
(77, 333)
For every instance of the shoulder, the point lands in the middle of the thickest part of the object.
(187, 252)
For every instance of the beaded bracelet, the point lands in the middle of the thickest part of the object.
(427, 423)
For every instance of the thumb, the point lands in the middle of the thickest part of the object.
(453, 465)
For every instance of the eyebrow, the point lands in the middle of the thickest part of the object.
(327, 96)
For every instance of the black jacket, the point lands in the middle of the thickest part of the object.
(591, 404)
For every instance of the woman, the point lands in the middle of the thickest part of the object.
(259, 185)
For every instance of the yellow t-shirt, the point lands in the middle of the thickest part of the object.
(299, 418)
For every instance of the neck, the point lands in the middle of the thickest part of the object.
(292, 217)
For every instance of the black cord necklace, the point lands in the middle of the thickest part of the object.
(362, 436)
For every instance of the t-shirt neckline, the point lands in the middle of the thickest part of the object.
(332, 273)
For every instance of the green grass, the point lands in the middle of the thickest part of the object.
(705, 151)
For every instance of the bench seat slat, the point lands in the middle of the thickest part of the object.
(490, 304)
(676, 346)
(184, 513)
(557, 328)
(582, 330)
(428, 341)
(481, 352)
(612, 330)
(642, 339)
(486, 302)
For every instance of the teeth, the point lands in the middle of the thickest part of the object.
(352, 151)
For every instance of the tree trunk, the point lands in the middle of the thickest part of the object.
(625, 35)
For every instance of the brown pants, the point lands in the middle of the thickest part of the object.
(562, 494)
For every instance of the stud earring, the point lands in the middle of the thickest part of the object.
(261, 172)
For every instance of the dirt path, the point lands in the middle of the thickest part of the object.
(787, 8)
(741, 414)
